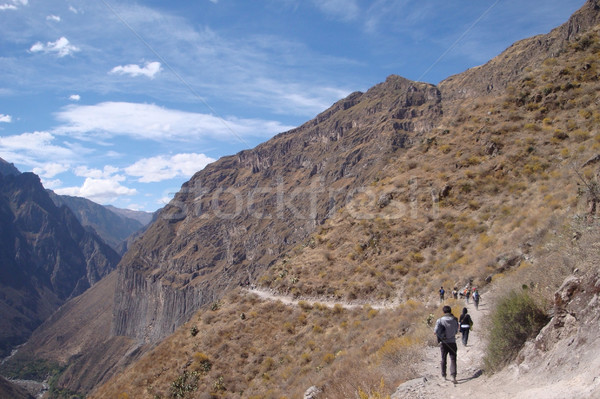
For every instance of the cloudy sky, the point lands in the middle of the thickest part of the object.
(123, 101)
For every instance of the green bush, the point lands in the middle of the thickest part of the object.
(516, 319)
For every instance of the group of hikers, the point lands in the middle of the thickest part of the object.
(464, 294)
(448, 326)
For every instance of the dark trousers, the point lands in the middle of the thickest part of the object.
(449, 349)
(465, 335)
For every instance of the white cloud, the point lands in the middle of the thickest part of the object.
(155, 169)
(37, 144)
(346, 10)
(61, 47)
(151, 122)
(106, 173)
(99, 190)
(14, 5)
(149, 70)
(302, 99)
(5, 118)
(39, 149)
(51, 184)
(100, 185)
(51, 169)
(73, 10)
(55, 18)
(74, 97)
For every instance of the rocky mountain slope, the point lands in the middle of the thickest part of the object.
(46, 257)
(385, 196)
(235, 217)
(113, 227)
(8, 168)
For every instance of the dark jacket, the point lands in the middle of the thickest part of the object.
(465, 319)
(450, 325)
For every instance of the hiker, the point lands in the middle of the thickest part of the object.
(442, 292)
(476, 298)
(465, 323)
(467, 294)
(455, 293)
(446, 328)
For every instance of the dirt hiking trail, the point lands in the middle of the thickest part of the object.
(469, 362)
(330, 303)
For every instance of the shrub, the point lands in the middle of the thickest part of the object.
(329, 358)
(201, 362)
(194, 331)
(516, 318)
(289, 327)
(184, 384)
(580, 135)
(379, 393)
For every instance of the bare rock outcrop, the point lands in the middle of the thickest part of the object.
(566, 351)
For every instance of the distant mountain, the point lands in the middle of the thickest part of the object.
(8, 168)
(111, 224)
(143, 217)
(46, 257)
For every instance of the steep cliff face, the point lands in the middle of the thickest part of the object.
(235, 217)
(46, 257)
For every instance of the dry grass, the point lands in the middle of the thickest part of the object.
(276, 351)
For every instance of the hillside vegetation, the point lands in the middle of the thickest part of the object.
(492, 194)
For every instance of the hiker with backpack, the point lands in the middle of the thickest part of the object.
(442, 293)
(446, 328)
(465, 322)
(476, 298)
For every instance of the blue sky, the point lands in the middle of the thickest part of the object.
(122, 101)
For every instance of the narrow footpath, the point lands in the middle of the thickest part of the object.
(330, 303)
